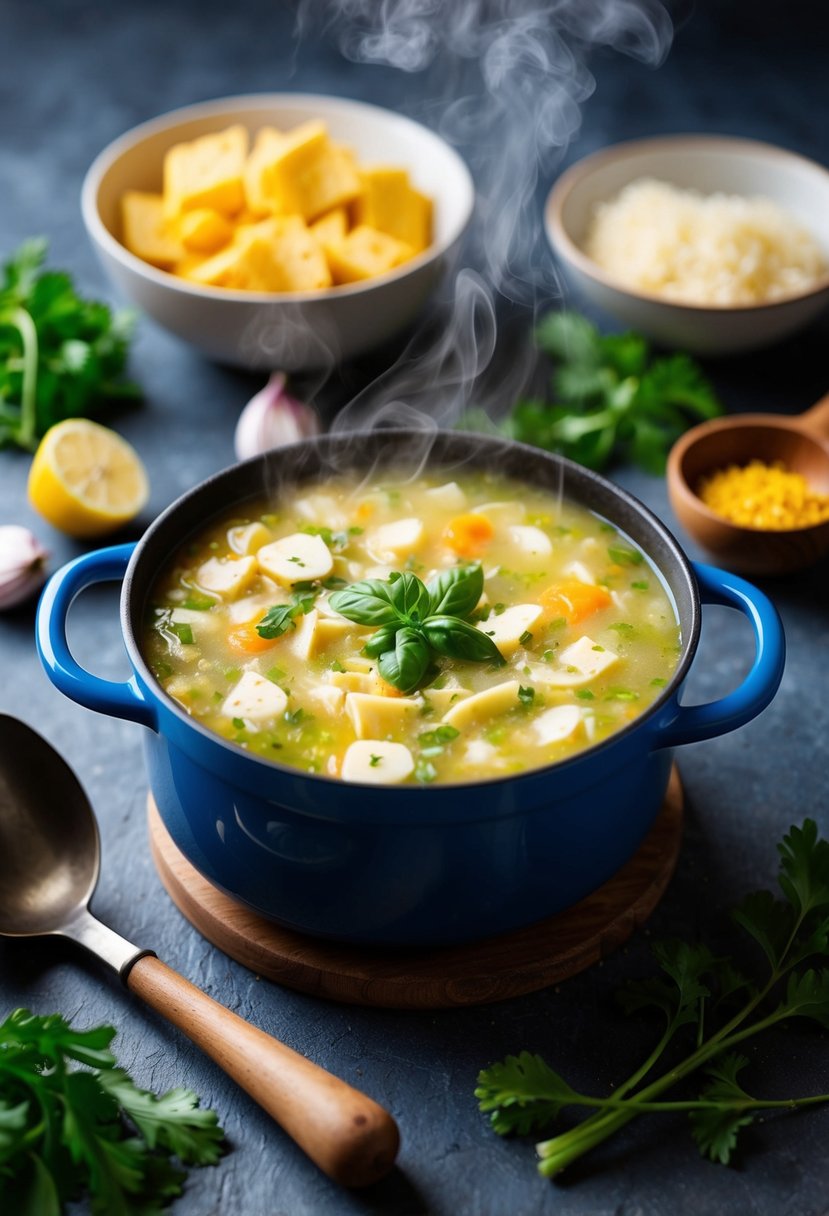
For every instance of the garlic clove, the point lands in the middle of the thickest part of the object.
(273, 418)
(22, 565)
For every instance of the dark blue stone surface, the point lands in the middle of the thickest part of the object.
(74, 76)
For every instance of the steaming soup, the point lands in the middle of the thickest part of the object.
(412, 630)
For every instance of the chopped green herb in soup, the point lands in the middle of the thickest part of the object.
(417, 631)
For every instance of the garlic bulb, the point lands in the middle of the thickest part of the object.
(273, 418)
(22, 565)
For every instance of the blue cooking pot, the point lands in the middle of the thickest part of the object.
(409, 864)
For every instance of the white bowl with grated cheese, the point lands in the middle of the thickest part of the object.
(711, 244)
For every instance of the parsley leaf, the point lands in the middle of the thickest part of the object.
(721, 1005)
(61, 356)
(66, 1131)
(611, 399)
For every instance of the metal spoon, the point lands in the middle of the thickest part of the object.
(49, 862)
(800, 443)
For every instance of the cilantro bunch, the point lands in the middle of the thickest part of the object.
(611, 398)
(60, 356)
(66, 1131)
(713, 1005)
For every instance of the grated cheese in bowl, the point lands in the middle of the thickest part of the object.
(719, 249)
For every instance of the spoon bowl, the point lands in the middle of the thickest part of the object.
(48, 837)
(801, 444)
(49, 862)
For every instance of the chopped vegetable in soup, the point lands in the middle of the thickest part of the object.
(413, 630)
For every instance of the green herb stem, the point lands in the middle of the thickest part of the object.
(26, 430)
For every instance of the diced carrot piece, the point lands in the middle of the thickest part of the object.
(245, 640)
(469, 534)
(365, 511)
(573, 600)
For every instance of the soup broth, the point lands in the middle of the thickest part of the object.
(253, 629)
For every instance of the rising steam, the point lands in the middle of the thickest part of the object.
(504, 81)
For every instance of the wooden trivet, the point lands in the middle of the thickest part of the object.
(479, 973)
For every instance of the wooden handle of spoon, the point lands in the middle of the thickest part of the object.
(342, 1130)
(816, 419)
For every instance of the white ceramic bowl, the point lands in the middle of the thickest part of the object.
(297, 330)
(708, 164)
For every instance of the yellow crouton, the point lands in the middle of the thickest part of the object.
(204, 231)
(331, 227)
(206, 172)
(265, 150)
(147, 233)
(390, 203)
(301, 173)
(274, 255)
(364, 253)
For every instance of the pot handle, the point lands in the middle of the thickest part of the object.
(120, 700)
(696, 722)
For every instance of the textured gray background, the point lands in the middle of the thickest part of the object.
(74, 76)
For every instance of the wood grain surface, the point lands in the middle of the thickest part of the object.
(477, 973)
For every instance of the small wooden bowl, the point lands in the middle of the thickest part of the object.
(801, 444)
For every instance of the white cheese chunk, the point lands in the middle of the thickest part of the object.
(226, 576)
(375, 717)
(330, 698)
(581, 663)
(314, 632)
(255, 699)
(483, 705)
(530, 541)
(394, 541)
(557, 724)
(247, 538)
(579, 571)
(301, 639)
(252, 607)
(377, 762)
(320, 509)
(352, 681)
(295, 559)
(478, 752)
(201, 623)
(449, 497)
(507, 629)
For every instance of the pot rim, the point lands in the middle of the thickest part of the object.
(485, 444)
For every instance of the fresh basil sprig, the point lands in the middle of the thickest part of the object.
(416, 621)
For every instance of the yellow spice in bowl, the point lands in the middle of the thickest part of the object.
(767, 496)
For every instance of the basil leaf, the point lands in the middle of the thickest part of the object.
(368, 602)
(459, 640)
(276, 621)
(410, 597)
(406, 665)
(456, 592)
(380, 641)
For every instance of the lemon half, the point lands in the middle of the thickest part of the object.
(86, 480)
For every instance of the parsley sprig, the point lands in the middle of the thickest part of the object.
(723, 1008)
(611, 399)
(60, 356)
(66, 1131)
(415, 622)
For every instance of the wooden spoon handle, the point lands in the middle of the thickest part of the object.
(816, 419)
(347, 1134)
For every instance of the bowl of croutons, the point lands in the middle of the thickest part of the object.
(279, 230)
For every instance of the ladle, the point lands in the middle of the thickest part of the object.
(49, 863)
(801, 444)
